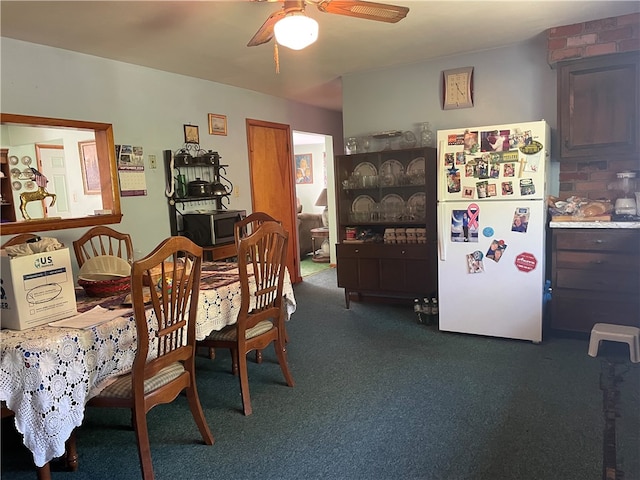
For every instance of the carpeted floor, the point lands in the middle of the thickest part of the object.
(309, 267)
(377, 396)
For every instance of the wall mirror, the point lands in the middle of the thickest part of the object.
(70, 161)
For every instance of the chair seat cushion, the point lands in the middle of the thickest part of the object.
(121, 388)
(228, 334)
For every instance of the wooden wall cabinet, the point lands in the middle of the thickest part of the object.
(7, 210)
(396, 271)
(599, 105)
(595, 278)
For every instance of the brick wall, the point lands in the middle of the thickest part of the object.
(591, 177)
(598, 37)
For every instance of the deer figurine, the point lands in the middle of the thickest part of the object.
(40, 194)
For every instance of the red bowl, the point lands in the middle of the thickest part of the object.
(105, 288)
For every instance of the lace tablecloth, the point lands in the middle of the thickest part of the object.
(47, 374)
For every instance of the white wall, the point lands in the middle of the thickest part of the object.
(511, 84)
(148, 108)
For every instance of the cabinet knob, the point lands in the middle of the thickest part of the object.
(598, 240)
(357, 251)
(403, 252)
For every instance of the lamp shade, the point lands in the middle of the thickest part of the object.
(296, 31)
(322, 199)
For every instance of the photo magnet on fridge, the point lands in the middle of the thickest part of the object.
(527, 187)
(474, 262)
(520, 220)
(496, 249)
(507, 188)
(453, 180)
(464, 226)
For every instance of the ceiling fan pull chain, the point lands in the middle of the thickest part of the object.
(276, 57)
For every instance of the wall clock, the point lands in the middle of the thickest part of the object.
(457, 88)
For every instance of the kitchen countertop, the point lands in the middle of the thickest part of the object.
(594, 224)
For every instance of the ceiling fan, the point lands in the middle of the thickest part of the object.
(381, 12)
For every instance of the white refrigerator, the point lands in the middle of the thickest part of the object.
(492, 183)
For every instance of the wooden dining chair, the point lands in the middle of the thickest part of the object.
(18, 239)
(250, 224)
(244, 228)
(261, 264)
(164, 364)
(102, 240)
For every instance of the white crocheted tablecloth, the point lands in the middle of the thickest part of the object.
(47, 374)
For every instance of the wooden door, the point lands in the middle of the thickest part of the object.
(272, 184)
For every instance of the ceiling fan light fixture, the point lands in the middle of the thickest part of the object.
(296, 31)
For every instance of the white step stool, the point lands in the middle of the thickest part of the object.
(615, 333)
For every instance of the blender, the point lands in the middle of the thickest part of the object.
(626, 205)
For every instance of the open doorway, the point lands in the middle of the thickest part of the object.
(313, 167)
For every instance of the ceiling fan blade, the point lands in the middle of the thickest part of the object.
(381, 12)
(265, 32)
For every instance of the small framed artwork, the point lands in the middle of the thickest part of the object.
(304, 168)
(90, 168)
(191, 134)
(217, 124)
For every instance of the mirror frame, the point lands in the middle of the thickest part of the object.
(105, 147)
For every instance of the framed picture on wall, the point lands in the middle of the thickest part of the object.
(191, 134)
(90, 169)
(304, 168)
(217, 124)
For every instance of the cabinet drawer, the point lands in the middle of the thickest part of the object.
(598, 240)
(579, 312)
(379, 250)
(605, 281)
(597, 262)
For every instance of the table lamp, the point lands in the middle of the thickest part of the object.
(322, 202)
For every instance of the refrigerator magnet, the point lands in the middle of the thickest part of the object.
(470, 141)
(492, 190)
(527, 186)
(488, 232)
(507, 188)
(474, 262)
(482, 168)
(453, 180)
(508, 170)
(470, 169)
(448, 159)
(462, 229)
(533, 163)
(526, 262)
(520, 220)
(481, 188)
(467, 192)
(496, 249)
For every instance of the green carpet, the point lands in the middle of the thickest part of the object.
(377, 396)
(309, 267)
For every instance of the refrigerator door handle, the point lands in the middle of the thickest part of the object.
(442, 243)
(441, 182)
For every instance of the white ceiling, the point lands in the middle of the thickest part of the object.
(207, 39)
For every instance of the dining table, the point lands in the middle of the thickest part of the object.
(48, 373)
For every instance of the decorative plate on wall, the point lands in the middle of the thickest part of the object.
(365, 168)
(26, 160)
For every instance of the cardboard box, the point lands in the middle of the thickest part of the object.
(36, 289)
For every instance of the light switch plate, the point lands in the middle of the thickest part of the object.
(152, 161)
